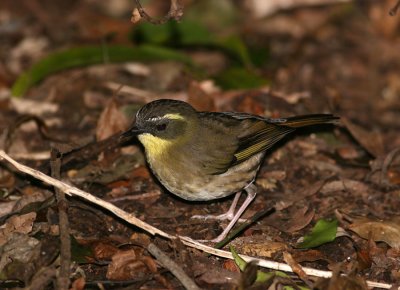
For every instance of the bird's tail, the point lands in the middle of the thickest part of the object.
(306, 120)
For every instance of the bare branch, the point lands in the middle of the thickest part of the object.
(65, 241)
(173, 267)
(175, 12)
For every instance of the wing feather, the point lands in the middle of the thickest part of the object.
(261, 137)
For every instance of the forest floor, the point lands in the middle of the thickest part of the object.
(339, 58)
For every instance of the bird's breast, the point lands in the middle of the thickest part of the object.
(178, 169)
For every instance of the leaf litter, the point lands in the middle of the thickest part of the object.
(267, 66)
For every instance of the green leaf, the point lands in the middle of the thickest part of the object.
(192, 33)
(189, 33)
(261, 276)
(240, 78)
(323, 232)
(153, 34)
(237, 48)
(240, 262)
(89, 55)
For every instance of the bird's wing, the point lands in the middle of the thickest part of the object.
(255, 134)
(259, 137)
(237, 138)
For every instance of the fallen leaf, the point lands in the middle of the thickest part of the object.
(129, 264)
(353, 186)
(19, 247)
(104, 251)
(323, 232)
(369, 140)
(263, 248)
(300, 216)
(310, 256)
(111, 121)
(199, 99)
(17, 224)
(231, 266)
(387, 231)
(348, 152)
(78, 284)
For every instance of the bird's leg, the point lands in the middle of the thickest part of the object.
(251, 194)
(229, 215)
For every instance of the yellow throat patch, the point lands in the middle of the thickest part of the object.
(156, 146)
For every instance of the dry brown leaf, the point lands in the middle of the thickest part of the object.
(78, 284)
(259, 247)
(111, 121)
(199, 99)
(127, 265)
(31, 195)
(387, 231)
(370, 140)
(268, 180)
(17, 224)
(292, 219)
(394, 176)
(348, 152)
(19, 247)
(140, 239)
(310, 256)
(104, 251)
(353, 186)
(300, 219)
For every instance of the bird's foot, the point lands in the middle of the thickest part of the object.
(222, 217)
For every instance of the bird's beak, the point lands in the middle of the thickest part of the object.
(132, 131)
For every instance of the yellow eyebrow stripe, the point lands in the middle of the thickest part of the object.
(174, 116)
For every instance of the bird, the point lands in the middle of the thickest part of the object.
(204, 156)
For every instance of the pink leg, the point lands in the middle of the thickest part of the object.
(229, 215)
(251, 194)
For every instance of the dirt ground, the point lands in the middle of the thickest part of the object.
(73, 74)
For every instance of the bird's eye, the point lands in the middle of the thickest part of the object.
(161, 127)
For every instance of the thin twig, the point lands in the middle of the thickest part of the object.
(173, 267)
(175, 12)
(297, 268)
(21, 120)
(65, 241)
(70, 190)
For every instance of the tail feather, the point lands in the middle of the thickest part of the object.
(307, 120)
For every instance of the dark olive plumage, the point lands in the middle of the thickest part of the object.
(209, 155)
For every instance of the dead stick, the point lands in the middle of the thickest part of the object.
(70, 190)
(173, 267)
(65, 241)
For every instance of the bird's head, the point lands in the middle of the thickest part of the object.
(163, 122)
